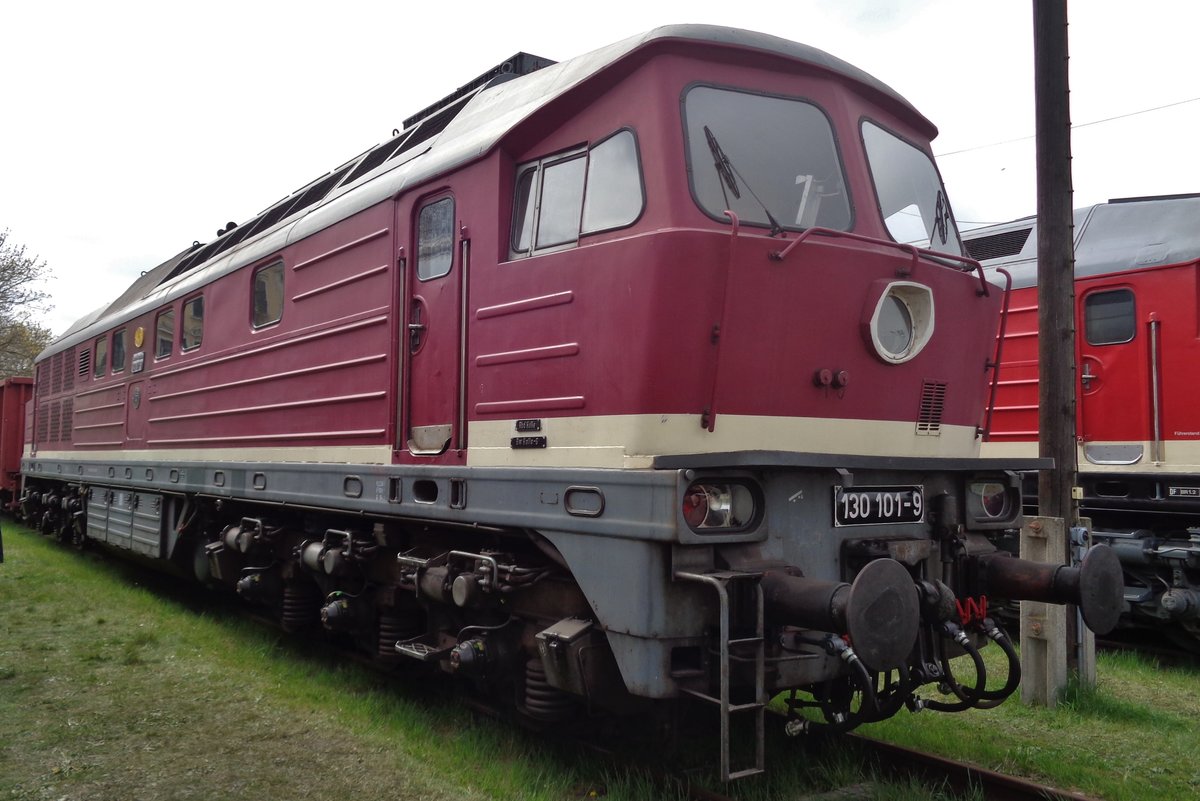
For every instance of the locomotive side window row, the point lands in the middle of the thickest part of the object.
(563, 197)
(190, 335)
(771, 160)
(95, 359)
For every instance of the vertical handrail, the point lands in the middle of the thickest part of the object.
(709, 418)
(1156, 447)
(460, 428)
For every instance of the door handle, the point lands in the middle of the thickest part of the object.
(416, 328)
(1087, 376)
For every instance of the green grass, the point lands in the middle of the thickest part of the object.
(113, 687)
(1131, 737)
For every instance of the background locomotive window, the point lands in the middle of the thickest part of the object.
(118, 351)
(193, 323)
(268, 295)
(1109, 317)
(435, 239)
(164, 334)
(909, 190)
(100, 364)
(778, 153)
(560, 198)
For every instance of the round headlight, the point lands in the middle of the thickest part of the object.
(718, 505)
(895, 326)
(899, 320)
(990, 500)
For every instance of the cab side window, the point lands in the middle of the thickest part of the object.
(267, 299)
(118, 351)
(193, 324)
(100, 363)
(563, 197)
(164, 334)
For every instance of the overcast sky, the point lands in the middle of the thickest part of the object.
(132, 129)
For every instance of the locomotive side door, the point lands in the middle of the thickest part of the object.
(431, 414)
(1116, 384)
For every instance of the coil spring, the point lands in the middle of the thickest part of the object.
(392, 629)
(301, 606)
(543, 701)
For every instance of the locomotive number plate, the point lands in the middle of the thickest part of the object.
(873, 506)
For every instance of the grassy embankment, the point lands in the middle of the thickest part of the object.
(1132, 737)
(110, 690)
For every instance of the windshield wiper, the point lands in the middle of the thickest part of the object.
(722, 164)
(729, 175)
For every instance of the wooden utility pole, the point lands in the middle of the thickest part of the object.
(1056, 288)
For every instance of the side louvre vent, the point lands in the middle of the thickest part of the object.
(68, 379)
(68, 419)
(55, 417)
(933, 402)
(56, 377)
(85, 362)
(43, 423)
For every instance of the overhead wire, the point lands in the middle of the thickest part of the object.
(1073, 127)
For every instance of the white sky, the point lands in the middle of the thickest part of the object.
(133, 128)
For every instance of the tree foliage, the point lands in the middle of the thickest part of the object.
(22, 301)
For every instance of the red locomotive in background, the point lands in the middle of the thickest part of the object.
(603, 383)
(1137, 424)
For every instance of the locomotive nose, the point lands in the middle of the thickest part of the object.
(880, 611)
(1097, 586)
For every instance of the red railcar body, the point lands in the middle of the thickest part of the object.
(612, 380)
(1137, 423)
(14, 395)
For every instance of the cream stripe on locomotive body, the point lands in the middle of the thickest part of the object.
(628, 441)
(602, 381)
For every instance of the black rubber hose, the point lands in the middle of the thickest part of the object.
(870, 702)
(967, 698)
(993, 698)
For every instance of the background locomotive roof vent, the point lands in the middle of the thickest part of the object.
(1005, 243)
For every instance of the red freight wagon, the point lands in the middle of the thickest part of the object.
(602, 383)
(14, 394)
(1138, 426)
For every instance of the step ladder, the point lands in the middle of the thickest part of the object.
(740, 649)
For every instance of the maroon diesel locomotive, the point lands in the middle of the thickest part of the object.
(604, 383)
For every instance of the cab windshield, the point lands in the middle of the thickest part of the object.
(770, 160)
(910, 193)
